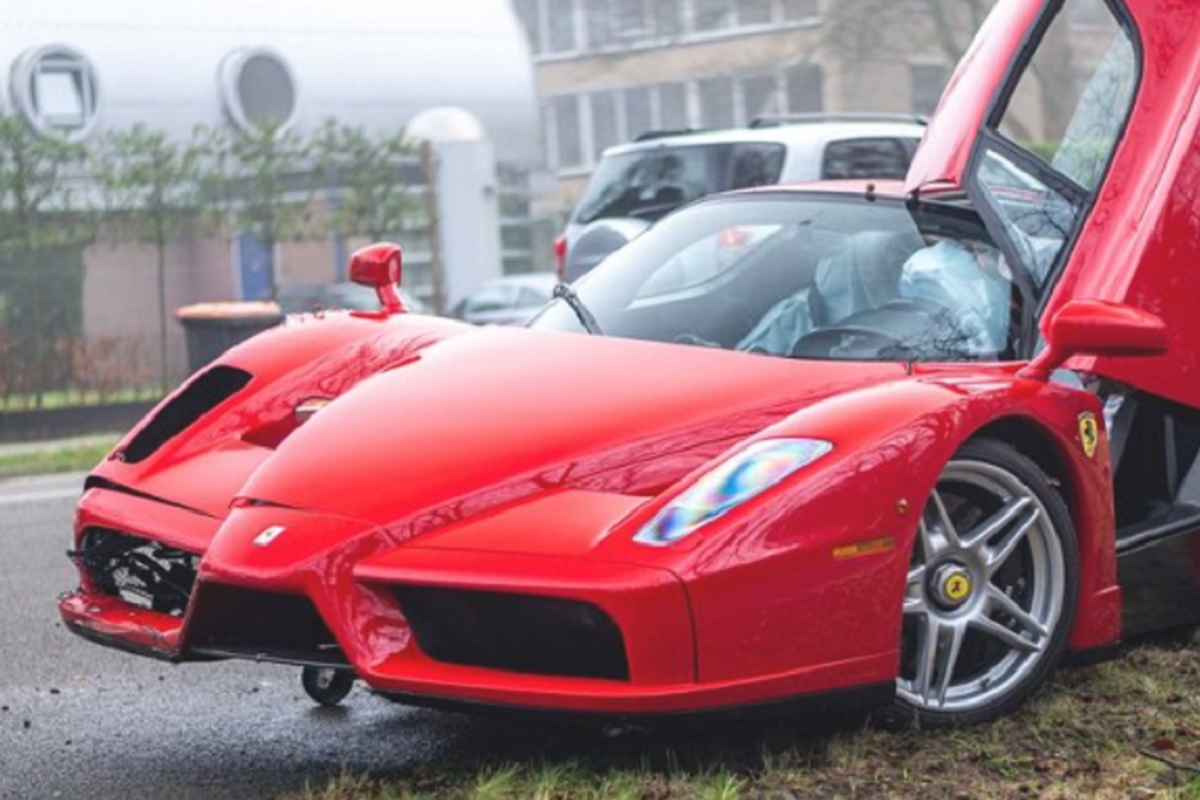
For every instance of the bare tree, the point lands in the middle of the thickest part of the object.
(260, 178)
(864, 33)
(867, 31)
(149, 188)
(363, 175)
(42, 232)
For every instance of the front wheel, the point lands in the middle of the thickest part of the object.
(991, 590)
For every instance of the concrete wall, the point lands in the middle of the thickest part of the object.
(120, 293)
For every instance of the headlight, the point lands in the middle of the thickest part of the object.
(750, 472)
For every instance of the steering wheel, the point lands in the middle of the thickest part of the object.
(691, 338)
(856, 342)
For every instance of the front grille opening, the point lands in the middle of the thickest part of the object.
(520, 633)
(246, 623)
(141, 572)
(206, 391)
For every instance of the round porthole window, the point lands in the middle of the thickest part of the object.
(55, 89)
(257, 88)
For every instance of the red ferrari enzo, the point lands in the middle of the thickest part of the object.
(914, 442)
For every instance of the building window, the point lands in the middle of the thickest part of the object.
(799, 10)
(567, 133)
(599, 23)
(564, 26)
(606, 128)
(639, 112)
(580, 127)
(928, 80)
(805, 89)
(753, 12)
(633, 20)
(257, 89)
(710, 15)
(716, 102)
(560, 25)
(668, 17)
(56, 91)
(761, 97)
(673, 106)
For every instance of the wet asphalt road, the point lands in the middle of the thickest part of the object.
(81, 721)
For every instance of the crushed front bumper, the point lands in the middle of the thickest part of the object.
(501, 629)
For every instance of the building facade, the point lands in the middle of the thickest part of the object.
(77, 70)
(608, 70)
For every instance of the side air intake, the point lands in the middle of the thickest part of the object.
(515, 632)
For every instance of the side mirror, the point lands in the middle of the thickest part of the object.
(1097, 328)
(379, 266)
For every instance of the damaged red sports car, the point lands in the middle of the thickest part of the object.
(912, 442)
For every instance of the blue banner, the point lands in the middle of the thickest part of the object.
(255, 267)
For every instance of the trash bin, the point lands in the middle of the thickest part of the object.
(213, 328)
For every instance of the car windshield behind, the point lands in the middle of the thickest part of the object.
(649, 183)
(808, 276)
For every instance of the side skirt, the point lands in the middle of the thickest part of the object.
(1159, 573)
(858, 699)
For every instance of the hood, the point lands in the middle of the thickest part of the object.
(490, 417)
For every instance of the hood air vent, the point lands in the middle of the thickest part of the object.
(203, 394)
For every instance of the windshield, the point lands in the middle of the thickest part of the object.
(650, 183)
(800, 275)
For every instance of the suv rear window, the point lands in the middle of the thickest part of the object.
(649, 183)
(881, 158)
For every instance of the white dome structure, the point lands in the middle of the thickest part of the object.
(446, 124)
(81, 67)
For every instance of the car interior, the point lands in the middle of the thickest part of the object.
(802, 292)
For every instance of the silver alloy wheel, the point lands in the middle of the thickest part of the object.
(985, 592)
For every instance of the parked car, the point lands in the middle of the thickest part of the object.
(510, 300)
(301, 298)
(905, 443)
(637, 183)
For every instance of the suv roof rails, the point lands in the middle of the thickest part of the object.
(777, 120)
(651, 135)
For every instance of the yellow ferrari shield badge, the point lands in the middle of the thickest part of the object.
(1089, 433)
(957, 586)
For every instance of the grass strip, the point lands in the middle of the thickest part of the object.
(1125, 729)
(72, 399)
(76, 457)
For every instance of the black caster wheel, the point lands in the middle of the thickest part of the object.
(327, 685)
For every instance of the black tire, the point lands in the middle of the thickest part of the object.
(1024, 578)
(327, 685)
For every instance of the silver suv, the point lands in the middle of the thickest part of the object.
(635, 184)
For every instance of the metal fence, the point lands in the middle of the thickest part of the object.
(167, 201)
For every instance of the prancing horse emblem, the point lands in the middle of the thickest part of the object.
(268, 535)
(1089, 433)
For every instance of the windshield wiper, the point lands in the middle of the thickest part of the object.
(565, 293)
